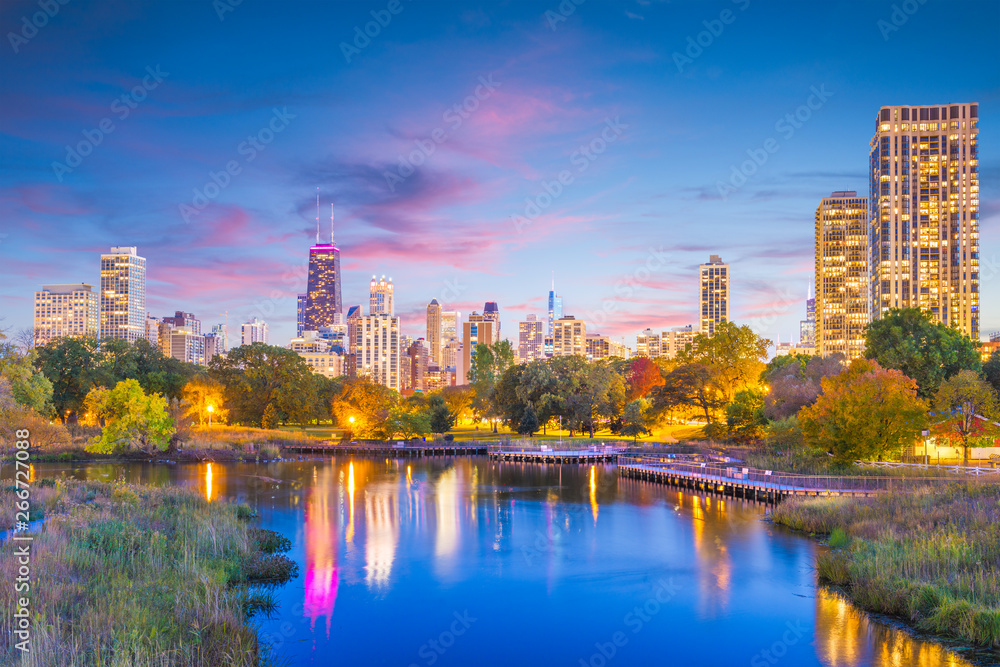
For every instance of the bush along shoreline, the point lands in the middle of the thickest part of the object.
(929, 557)
(124, 574)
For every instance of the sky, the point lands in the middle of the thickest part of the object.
(470, 151)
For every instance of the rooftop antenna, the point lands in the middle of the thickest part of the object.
(331, 223)
(317, 215)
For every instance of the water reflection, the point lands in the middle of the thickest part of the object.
(401, 545)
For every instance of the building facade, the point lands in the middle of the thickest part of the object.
(530, 340)
(322, 303)
(478, 330)
(66, 310)
(377, 349)
(254, 331)
(648, 344)
(714, 293)
(676, 340)
(841, 301)
(123, 294)
(569, 337)
(434, 331)
(924, 213)
(380, 298)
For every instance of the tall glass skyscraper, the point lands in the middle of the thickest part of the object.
(555, 307)
(123, 294)
(322, 303)
(924, 213)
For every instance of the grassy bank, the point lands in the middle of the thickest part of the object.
(132, 575)
(931, 557)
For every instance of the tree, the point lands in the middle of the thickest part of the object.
(71, 365)
(409, 424)
(991, 371)
(642, 375)
(908, 340)
(735, 353)
(441, 417)
(134, 419)
(792, 386)
(95, 407)
(489, 362)
(635, 418)
(529, 422)
(694, 386)
(202, 392)
(600, 392)
(745, 416)
(459, 400)
(865, 412)
(964, 400)
(368, 403)
(505, 402)
(258, 375)
(269, 420)
(29, 387)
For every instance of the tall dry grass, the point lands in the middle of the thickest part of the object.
(138, 576)
(931, 556)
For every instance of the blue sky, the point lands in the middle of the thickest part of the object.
(641, 137)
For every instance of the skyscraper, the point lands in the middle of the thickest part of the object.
(529, 340)
(66, 310)
(841, 302)
(924, 213)
(322, 301)
(491, 313)
(807, 327)
(714, 294)
(182, 319)
(569, 337)
(380, 299)
(221, 332)
(300, 314)
(254, 331)
(555, 305)
(451, 325)
(648, 344)
(434, 331)
(377, 349)
(123, 294)
(478, 330)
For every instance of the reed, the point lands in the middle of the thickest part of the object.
(931, 556)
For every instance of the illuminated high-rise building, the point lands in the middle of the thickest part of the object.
(380, 299)
(451, 325)
(377, 349)
(807, 327)
(569, 337)
(714, 294)
(648, 344)
(123, 294)
(841, 302)
(479, 330)
(555, 306)
(491, 313)
(677, 340)
(66, 310)
(530, 340)
(254, 331)
(434, 332)
(924, 213)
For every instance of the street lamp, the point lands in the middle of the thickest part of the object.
(210, 409)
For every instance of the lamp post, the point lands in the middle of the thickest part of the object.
(350, 428)
(210, 409)
(925, 433)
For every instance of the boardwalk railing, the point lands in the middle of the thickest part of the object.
(782, 482)
(974, 471)
(553, 446)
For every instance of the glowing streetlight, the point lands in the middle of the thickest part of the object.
(210, 409)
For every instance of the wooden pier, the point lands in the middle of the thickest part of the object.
(411, 449)
(547, 455)
(749, 483)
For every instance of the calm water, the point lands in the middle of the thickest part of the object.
(469, 562)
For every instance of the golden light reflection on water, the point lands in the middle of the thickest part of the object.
(349, 536)
(846, 637)
(208, 481)
(381, 532)
(714, 562)
(593, 492)
(447, 505)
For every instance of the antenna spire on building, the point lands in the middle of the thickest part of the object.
(317, 215)
(331, 223)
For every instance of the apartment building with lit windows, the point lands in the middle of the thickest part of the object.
(66, 310)
(714, 293)
(924, 213)
(123, 294)
(841, 270)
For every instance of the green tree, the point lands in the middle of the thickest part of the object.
(694, 386)
(258, 375)
(269, 420)
(964, 400)
(735, 353)
(489, 362)
(29, 387)
(134, 420)
(908, 340)
(71, 365)
(599, 392)
(529, 422)
(792, 386)
(408, 424)
(200, 393)
(368, 403)
(505, 401)
(865, 412)
(745, 416)
(635, 418)
(441, 418)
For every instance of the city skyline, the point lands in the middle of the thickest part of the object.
(449, 230)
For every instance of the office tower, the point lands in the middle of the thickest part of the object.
(478, 330)
(451, 325)
(380, 299)
(924, 213)
(491, 313)
(123, 294)
(555, 306)
(647, 343)
(212, 347)
(353, 318)
(530, 340)
(451, 355)
(254, 331)
(841, 302)
(182, 319)
(66, 310)
(182, 343)
(676, 340)
(419, 355)
(377, 349)
(434, 331)
(807, 327)
(322, 298)
(221, 332)
(602, 347)
(714, 294)
(300, 313)
(569, 337)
